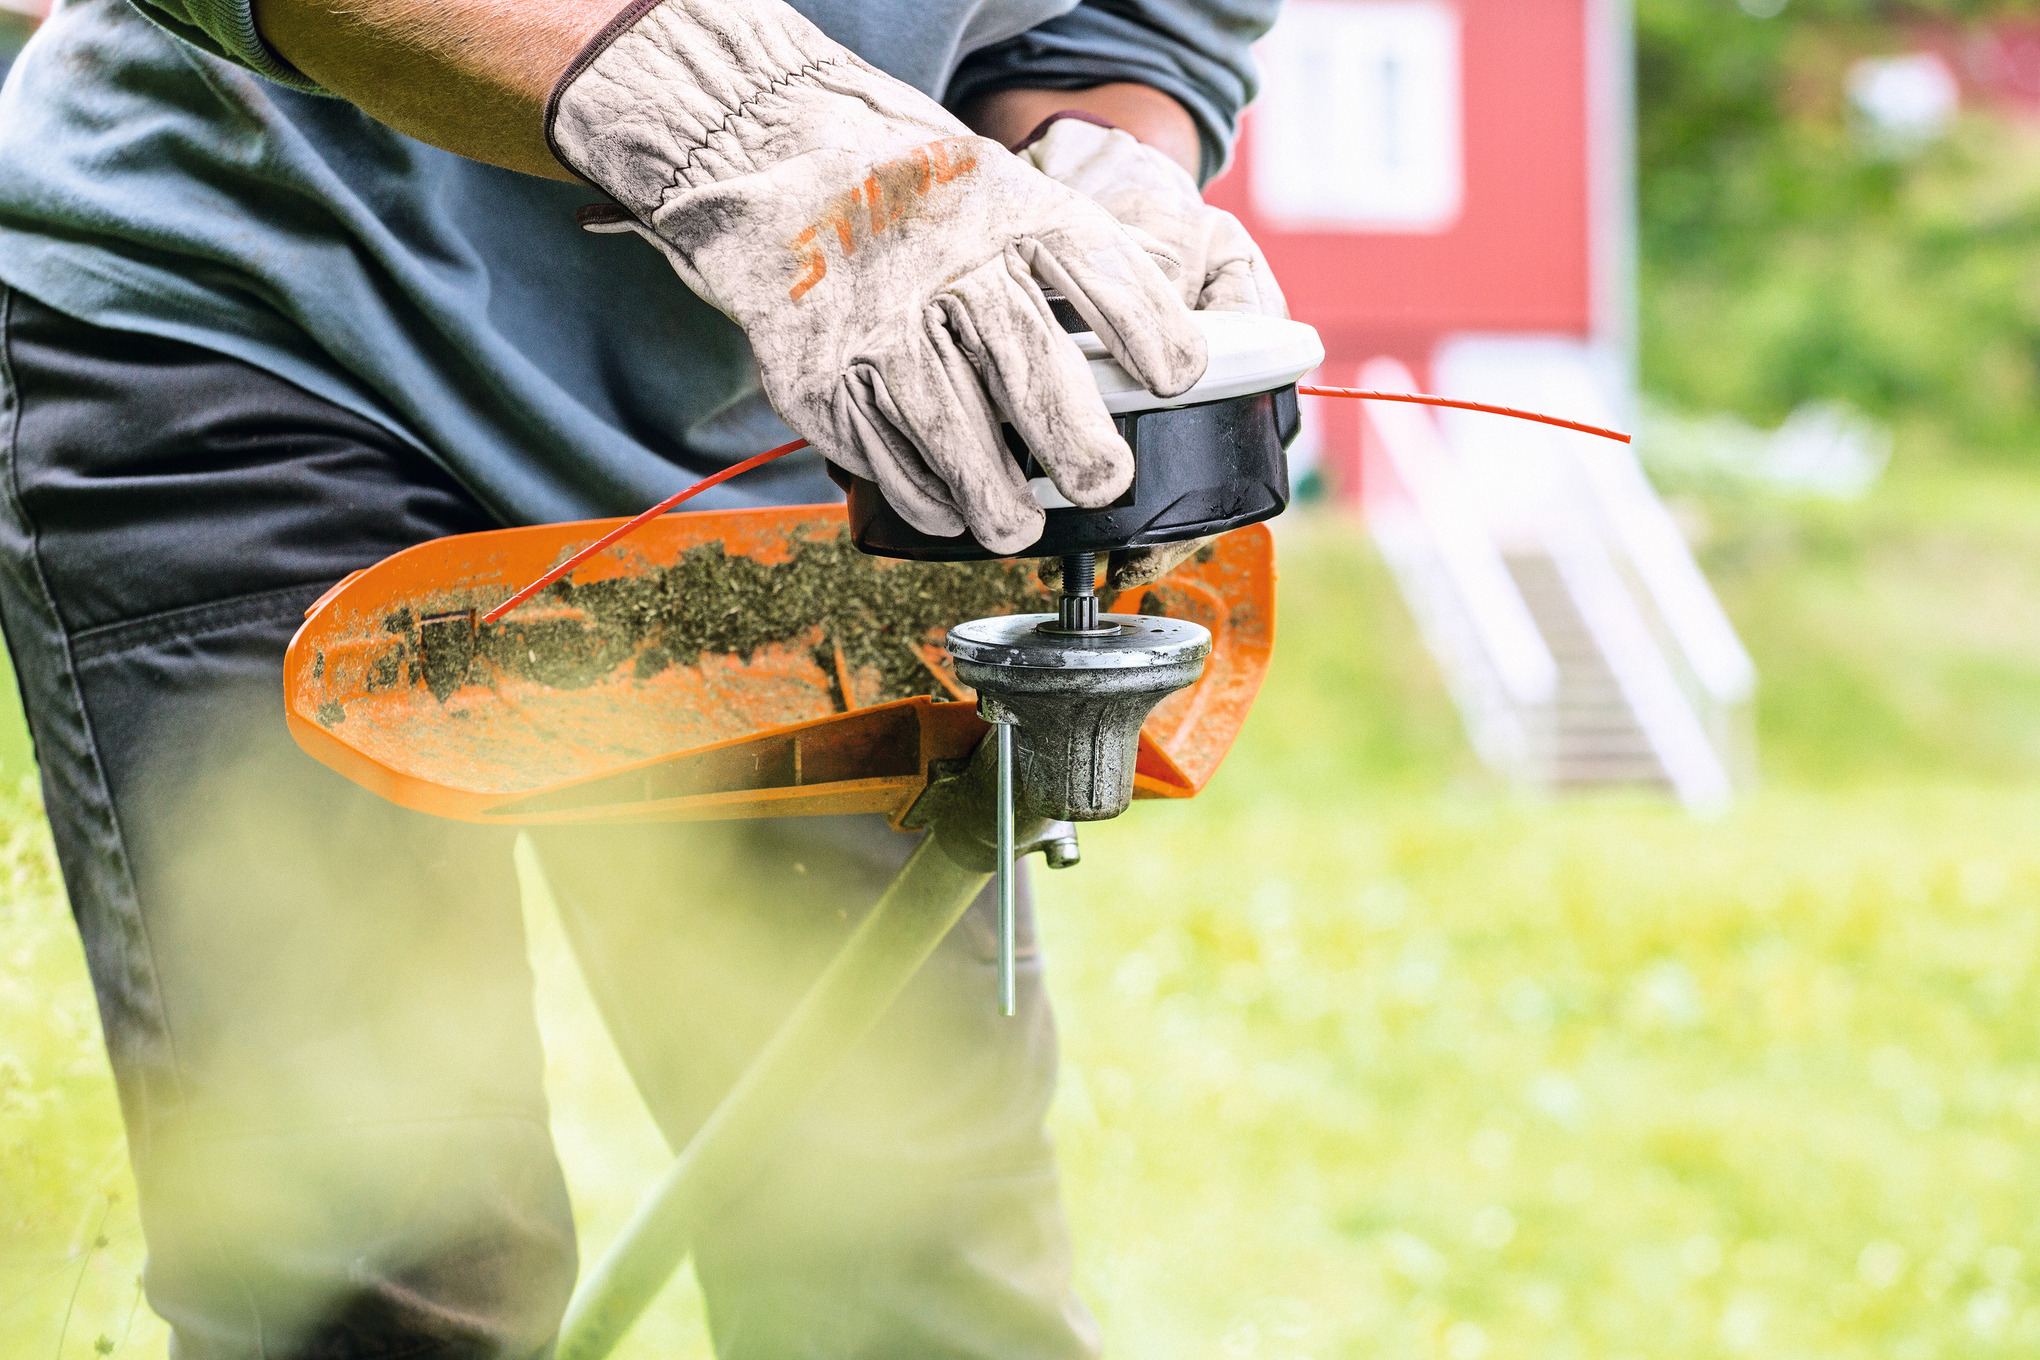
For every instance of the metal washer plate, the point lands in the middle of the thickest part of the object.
(1143, 640)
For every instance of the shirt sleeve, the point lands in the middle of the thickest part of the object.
(226, 28)
(1199, 51)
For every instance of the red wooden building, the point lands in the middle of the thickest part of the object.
(1422, 169)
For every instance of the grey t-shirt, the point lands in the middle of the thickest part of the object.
(157, 183)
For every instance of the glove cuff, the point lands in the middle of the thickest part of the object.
(1109, 165)
(624, 20)
(675, 94)
(1041, 128)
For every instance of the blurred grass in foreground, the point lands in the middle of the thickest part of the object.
(1367, 1057)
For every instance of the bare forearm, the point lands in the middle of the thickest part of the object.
(1147, 113)
(468, 75)
(472, 76)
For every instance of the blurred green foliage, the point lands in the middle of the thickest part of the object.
(1785, 259)
(1897, 638)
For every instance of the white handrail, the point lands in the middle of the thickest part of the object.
(1696, 770)
(1654, 544)
(1557, 377)
(1437, 491)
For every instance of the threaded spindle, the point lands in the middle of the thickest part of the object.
(1076, 608)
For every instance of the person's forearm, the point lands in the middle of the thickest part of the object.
(471, 76)
(1155, 118)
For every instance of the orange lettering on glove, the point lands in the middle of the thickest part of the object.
(891, 193)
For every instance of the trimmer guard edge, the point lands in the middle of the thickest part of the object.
(719, 664)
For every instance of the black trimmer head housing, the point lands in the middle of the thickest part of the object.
(1205, 461)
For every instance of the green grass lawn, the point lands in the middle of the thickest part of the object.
(1366, 1057)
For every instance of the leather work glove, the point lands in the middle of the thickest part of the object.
(1214, 263)
(882, 260)
(1218, 268)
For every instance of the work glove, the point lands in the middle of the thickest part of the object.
(1213, 262)
(885, 263)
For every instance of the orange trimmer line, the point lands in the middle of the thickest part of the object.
(636, 522)
(1419, 399)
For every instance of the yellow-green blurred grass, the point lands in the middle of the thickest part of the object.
(1462, 1078)
(1366, 1057)
(63, 1172)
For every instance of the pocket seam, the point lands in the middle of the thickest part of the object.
(105, 640)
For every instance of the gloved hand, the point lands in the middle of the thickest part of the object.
(1130, 568)
(1218, 268)
(1214, 263)
(881, 259)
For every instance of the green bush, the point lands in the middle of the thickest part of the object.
(1786, 260)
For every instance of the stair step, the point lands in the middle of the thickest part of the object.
(1593, 739)
(1656, 784)
(1609, 763)
(1608, 736)
(1606, 767)
(1590, 739)
(1605, 711)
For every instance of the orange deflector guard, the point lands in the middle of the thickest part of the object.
(644, 690)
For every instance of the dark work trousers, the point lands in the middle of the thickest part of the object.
(318, 1005)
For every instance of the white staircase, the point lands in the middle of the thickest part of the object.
(1593, 737)
(1579, 639)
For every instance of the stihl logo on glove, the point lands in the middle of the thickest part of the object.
(891, 191)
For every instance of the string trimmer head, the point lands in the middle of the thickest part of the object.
(770, 662)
